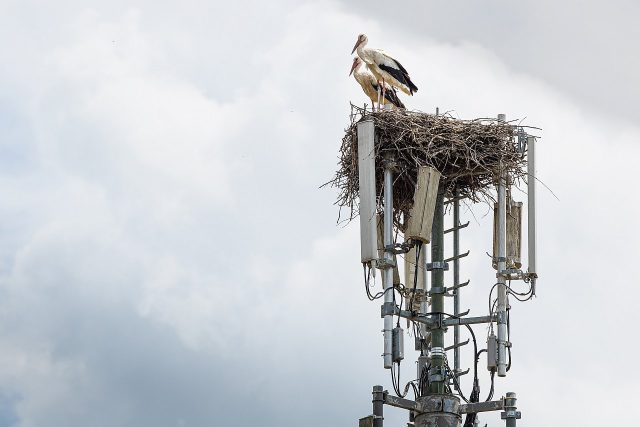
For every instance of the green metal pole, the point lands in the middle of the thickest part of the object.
(437, 294)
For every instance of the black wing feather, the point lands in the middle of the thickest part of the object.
(404, 71)
(400, 74)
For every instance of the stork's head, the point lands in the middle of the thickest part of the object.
(356, 63)
(362, 40)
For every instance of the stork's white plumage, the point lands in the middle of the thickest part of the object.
(384, 67)
(371, 86)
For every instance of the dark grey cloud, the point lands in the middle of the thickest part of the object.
(586, 49)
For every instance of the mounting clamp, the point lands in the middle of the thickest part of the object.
(437, 322)
(388, 308)
(501, 317)
(437, 265)
(510, 414)
(399, 248)
(384, 264)
(437, 290)
(437, 373)
(510, 408)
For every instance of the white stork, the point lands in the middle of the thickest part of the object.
(384, 67)
(371, 86)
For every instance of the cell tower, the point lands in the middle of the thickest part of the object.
(400, 171)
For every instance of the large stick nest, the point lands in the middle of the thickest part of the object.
(469, 154)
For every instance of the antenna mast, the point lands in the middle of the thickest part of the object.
(439, 400)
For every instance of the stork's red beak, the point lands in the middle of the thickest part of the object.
(356, 45)
(353, 67)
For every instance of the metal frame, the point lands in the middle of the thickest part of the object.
(507, 403)
(438, 406)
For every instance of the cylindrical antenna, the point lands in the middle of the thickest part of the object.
(501, 309)
(387, 272)
(367, 192)
(437, 267)
(531, 205)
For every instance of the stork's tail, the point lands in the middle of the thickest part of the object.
(412, 88)
(392, 96)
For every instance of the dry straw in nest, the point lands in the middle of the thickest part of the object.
(468, 153)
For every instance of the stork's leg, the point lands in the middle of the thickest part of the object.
(384, 90)
(378, 96)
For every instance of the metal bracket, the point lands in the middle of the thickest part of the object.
(510, 411)
(384, 264)
(437, 265)
(458, 286)
(459, 227)
(472, 408)
(439, 403)
(460, 344)
(510, 414)
(468, 321)
(388, 308)
(437, 322)
(399, 248)
(437, 290)
(457, 256)
(459, 373)
(399, 402)
(420, 343)
(513, 274)
(453, 375)
(437, 373)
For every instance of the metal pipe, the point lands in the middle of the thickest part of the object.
(510, 414)
(501, 308)
(531, 206)
(387, 273)
(424, 304)
(378, 406)
(437, 283)
(456, 277)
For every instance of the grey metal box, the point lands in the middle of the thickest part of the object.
(492, 353)
(397, 344)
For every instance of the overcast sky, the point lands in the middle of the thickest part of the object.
(166, 255)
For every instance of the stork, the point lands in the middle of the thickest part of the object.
(371, 86)
(384, 67)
